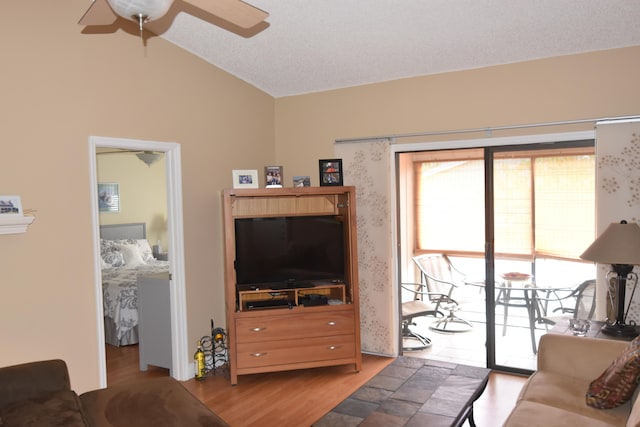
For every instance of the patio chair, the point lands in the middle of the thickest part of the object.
(583, 298)
(446, 289)
(416, 307)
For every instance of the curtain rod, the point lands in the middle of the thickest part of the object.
(488, 130)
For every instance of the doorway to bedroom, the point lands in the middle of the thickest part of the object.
(137, 190)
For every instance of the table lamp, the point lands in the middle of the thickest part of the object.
(619, 246)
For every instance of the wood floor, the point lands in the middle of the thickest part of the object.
(298, 398)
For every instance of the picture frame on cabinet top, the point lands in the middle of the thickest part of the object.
(330, 172)
(245, 178)
(273, 176)
(302, 181)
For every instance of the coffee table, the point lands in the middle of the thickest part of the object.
(413, 392)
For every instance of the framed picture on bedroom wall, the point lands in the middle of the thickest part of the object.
(108, 197)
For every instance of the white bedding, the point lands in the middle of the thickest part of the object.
(123, 262)
(120, 296)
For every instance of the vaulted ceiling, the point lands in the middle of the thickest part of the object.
(317, 45)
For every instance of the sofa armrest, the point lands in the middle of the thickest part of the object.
(32, 379)
(577, 357)
(152, 402)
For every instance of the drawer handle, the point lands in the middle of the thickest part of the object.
(258, 329)
(258, 354)
(333, 347)
(331, 323)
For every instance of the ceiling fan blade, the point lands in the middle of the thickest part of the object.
(234, 11)
(99, 13)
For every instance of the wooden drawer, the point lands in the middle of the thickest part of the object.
(295, 326)
(269, 353)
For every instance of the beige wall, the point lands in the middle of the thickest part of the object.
(58, 88)
(576, 87)
(565, 88)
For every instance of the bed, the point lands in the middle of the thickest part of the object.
(125, 255)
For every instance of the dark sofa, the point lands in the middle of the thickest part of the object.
(40, 394)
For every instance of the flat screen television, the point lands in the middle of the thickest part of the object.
(289, 251)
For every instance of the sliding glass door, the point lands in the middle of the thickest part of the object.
(540, 218)
(514, 220)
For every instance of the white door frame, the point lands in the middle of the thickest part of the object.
(181, 366)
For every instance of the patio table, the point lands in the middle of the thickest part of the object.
(527, 298)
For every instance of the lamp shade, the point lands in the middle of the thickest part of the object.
(618, 244)
(135, 9)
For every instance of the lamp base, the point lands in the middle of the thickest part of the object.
(620, 330)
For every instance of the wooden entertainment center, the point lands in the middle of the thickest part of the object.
(283, 328)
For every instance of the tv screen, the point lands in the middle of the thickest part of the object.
(289, 250)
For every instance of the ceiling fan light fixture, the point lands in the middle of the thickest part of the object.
(149, 157)
(140, 11)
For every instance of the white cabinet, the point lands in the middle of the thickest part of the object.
(154, 321)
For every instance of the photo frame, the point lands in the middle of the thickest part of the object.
(302, 181)
(108, 197)
(330, 172)
(10, 206)
(245, 178)
(273, 176)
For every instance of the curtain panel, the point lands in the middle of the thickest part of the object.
(617, 194)
(367, 166)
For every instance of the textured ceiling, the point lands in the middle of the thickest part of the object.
(318, 45)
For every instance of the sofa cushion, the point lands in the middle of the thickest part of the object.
(567, 394)
(157, 402)
(534, 414)
(616, 384)
(61, 408)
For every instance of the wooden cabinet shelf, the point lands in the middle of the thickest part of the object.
(281, 328)
(320, 294)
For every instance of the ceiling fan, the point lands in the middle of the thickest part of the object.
(157, 15)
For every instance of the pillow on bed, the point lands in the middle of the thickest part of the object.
(145, 250)
(131, 253)
(143, 246)
(111, 254)
(111, 251)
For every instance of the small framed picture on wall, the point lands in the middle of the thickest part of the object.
(330, 172)
(108, 197)
(10, 206)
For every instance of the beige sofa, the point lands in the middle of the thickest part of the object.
(555, 394)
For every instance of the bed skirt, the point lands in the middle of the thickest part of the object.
(111, 334)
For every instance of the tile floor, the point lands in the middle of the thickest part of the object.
(513, 350)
